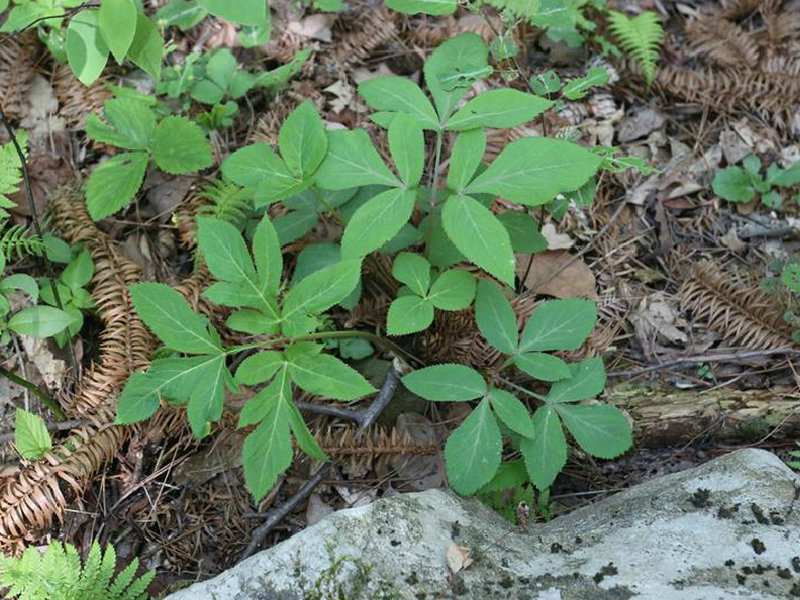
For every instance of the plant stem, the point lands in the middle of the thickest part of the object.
(34, 389)
(519, 388)
(434, 182)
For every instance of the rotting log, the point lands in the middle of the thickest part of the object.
(689, 416)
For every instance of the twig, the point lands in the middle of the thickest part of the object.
(30, 386)
(62, 426)
(278, 514)
(722, 357)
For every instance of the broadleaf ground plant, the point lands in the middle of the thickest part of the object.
(448, 223)
(433, 222)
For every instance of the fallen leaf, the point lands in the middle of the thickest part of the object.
(732, 242)
(343, 93)
(639, 123)
(316, 27)
(316, 510)
(458, 558)
(555, 273)
(555, 240)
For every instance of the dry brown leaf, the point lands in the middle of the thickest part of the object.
(458, 558)
(555, 240)
(557, 273)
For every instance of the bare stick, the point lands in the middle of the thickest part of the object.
(722, 357)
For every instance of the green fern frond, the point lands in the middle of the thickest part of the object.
(795, 464)
(57, 575)
(18, 240)
(227, 201)
(10, 172)
(640, 37)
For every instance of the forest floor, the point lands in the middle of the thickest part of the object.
(697, 337)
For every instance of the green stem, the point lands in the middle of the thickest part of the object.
(519, 388)
(324, 335)
(434, 182)
(34, 389)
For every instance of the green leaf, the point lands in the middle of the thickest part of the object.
(578, 88)
(495, 318)
(171, 318)
(258, 165)
(257, 407)
(256, 322)
(206, 400)
(326, 375)
(559, 325)
(601, 430)
(244, 12)
(446, 383)
(733, 184)
(113, 184)
(31, 437)
(453, 290)
(501, 108)
(353, 161)
(587, 380)
(318, 292)
(267, 452)
(533, 170)
(408, 314)
(512, 412)
(426, 7)
(305, 439)
(786, 177)
(294, 225)
(19, 281)
(545, 453)
(302, 140)
(524, 232)
(465, 158)
(259, 368)
(267, 256)
(39, 321)
(117, 22)
(180, 13)
(79, 271)
(86, 51)
(132, 124)
(413, 270)
(147, 48)
(479, 236)
(377, 221)
(399, 95)
(544, 367)
(224, 250)
(407, 147)
(464, 53)
(473, 451)
(180, 146)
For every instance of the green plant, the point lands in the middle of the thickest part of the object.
(31, 437)
(57, 574)
(119, 28)
(640, 37)
(795, 464)
(743, 184)
(174, 144)
(340, 173)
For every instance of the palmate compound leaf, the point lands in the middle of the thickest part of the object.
(545, 452)
(512, 412)
(414, 271)
(453, 289)
(601, 430)
(399, 95)
(533, 170)
(303, 141)
(558, 325)
(479, 236)
(495, 318)
(544, 367)
(446, 383)
(467, 55)
(468, 151)
(407, 147)
(171, 318)
(473, 451)
(31, 437)
(258, 165)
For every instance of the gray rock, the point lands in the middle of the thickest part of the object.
(727, 529)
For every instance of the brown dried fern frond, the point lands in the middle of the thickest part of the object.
(373, 447)
(732, 304)
(40, 493)
(364, 32)
(77, 101)
(17, 60)
(723, 42)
